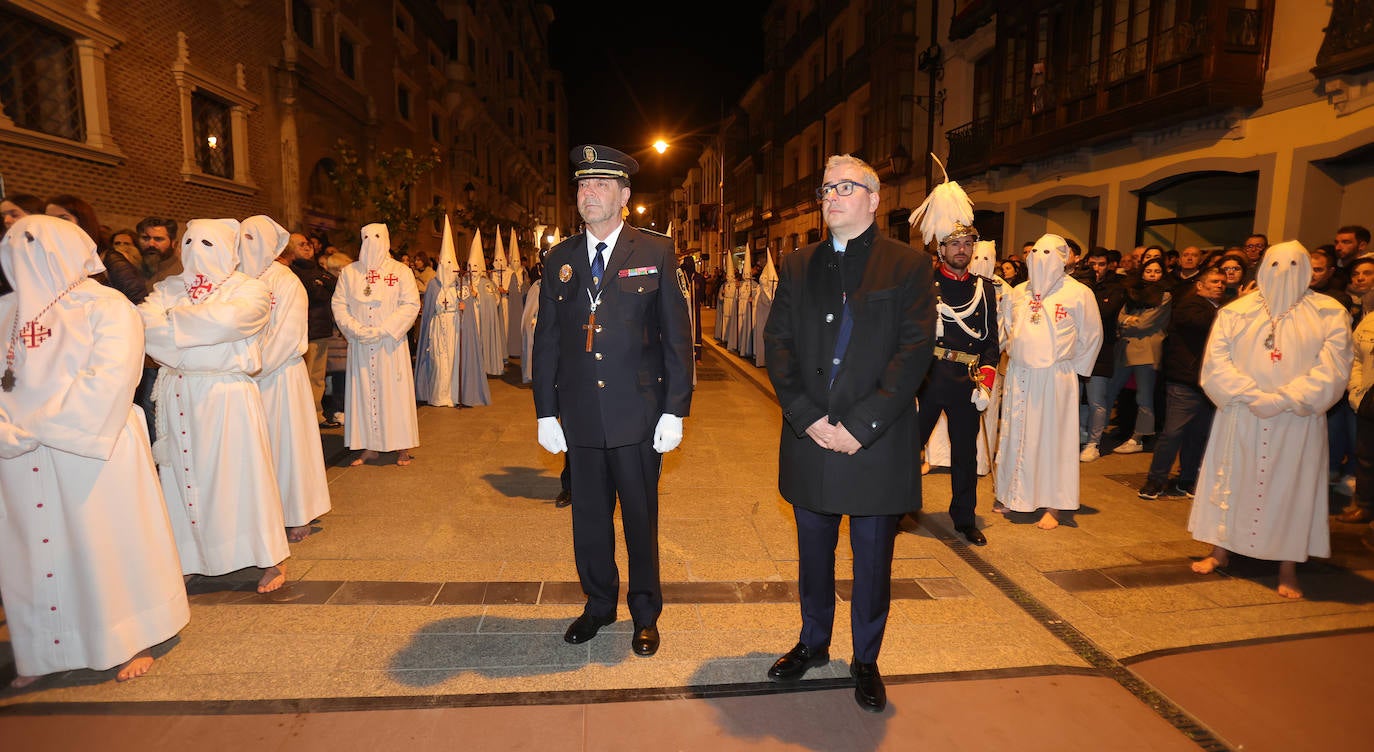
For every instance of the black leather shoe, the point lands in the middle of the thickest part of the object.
(796, 662)
(973, 535)
(331, 424)
(564, 499)
(645, 641)
(585, 628)
(869, 691)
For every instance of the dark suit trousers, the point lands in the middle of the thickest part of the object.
(598, 475)
(948, 392)
(871, 538)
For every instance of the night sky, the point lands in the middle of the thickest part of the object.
(636, 71)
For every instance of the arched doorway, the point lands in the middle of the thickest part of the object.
(1205, 209)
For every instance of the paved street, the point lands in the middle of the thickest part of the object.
(428, 608)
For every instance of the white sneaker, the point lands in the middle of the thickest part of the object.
(1089, 453)
(1129, 446)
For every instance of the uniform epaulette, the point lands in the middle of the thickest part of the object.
(996, 280)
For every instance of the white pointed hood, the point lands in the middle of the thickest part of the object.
(1045, 265)
(498, 259)
(376, 245)
(43, 256)
(984, 260)
(1283, 276)
(261, 241)
(448, 269)
(513, 258)
(209, 254)
(476, 264)
(768, 278)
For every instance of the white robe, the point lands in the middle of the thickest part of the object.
(527, 322)
(729, 318)
(515, 309)
(1037, 454)
(288, 400)
(744, 339)
(763, 306)
(448, 369)
(88, 567)
(381, 387)
(213, 450)
(1262, 490)
(491, 326)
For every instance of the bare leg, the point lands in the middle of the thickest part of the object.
(1049, 521)
(272, 578)
(1288, 580)
(20, 682)
(403, 458)
(298, 534)
(367, 454)
(137, 666)
(1218, 559)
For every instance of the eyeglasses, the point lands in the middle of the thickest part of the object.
(1231, 268)
(839, 188)
(1255, 246)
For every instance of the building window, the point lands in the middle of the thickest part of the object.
(434, 130)
(40, 85)
(348, 57)
(52, 83)
(510, 64)
(303, 22)
(403, 22)
(403, 101)
(214, 136)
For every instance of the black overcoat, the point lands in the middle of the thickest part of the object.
(640, 364)
(892, 302)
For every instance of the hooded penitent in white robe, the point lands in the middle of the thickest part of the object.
(1055, 335)
(88, 569)
(729, 313)
(500, 276)
(767, 288)
(448, 366)
(984, 264)
(516, 286)
(374, 305)
(487, 301)
(284, 380)
(1276, 360)
(213, 449)
(744, 321)
(527, 323)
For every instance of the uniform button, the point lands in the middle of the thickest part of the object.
(835, 362)
(641, 289)
(818, 372)
(660, 379)
(598, 328)
(601, 384)
(598, 356)
(874, 424)
(829, 317)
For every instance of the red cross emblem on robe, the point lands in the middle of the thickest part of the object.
(200, 287)
(372, 276)
(1060, 313)
(391, 280)
(34, 335)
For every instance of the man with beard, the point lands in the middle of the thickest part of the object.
(157, 242)
(966, 352)
(613, 362)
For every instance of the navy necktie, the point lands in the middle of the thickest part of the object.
(598, 266)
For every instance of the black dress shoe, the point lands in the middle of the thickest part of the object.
(796, 662)
(564, 499)
(645, 641)
(869, 691)
(973, 535)
(585, 628)
(330, 424)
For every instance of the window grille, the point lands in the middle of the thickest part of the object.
(213, 133)
(40, 84)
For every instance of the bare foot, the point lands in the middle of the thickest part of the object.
(1000, 508)
(20, 682)
(1288, 580)
(367, 454)
(1217, 559)
(136, 667)
(297, 534)
(1049, 521)
(403, 458)
(272, 578)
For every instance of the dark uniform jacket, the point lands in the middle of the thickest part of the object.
(957, 293)
(640, 366)
(874, 395)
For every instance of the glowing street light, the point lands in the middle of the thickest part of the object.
(660, 146)
(640, 209)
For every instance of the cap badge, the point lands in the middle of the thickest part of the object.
(565, 273)
(588, 155)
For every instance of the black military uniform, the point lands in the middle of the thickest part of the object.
(955, 373)
(609, 378)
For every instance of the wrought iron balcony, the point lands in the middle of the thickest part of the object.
(969, 145)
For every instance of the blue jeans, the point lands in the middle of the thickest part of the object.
(1340, 435)
(1144, 395)
(1094, 415)
(1187, 422)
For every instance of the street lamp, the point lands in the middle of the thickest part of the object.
(717, 141)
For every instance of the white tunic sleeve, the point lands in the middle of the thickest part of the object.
(1316, 390)
(286, 337)
(1223, 381)
(1088, 325)
(349, 326)
(237, 314)
(398, 322)
(157, 330)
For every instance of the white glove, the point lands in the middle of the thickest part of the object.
(370, 335)
(15, 441)
(980, 398)
(668, 434)
(1267, 406)
(551, 436)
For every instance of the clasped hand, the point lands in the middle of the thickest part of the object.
(833, 436)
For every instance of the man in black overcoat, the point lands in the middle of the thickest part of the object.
(848, 343)
(612, 362)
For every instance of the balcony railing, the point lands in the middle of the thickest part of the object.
(1349, 43)
(969, 145)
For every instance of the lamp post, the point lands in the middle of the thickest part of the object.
(716, 141)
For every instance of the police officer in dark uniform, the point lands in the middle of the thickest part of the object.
(612, 362)
(966, 356)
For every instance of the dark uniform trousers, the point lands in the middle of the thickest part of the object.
(871, 538)
(948, 390)
(596, 475)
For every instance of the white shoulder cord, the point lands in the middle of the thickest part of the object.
(957, 315)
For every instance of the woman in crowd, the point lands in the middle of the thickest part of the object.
(123, 266)
(1013, 272)
(1140, 344)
